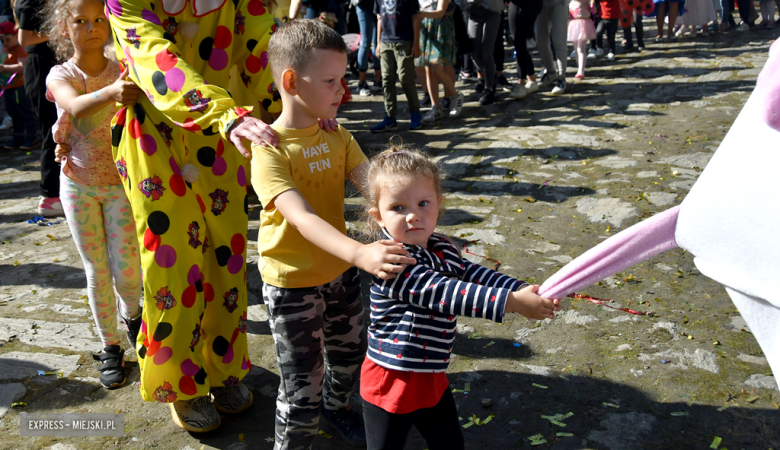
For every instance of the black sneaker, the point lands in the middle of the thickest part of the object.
(348, 424)
(112, 366)
(487, 98)
(132, 326)
(426, 100)
(480, 86)
(503, 83)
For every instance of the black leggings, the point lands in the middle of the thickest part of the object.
(610, 26)
(439, 426)
(522, 16)
(639, 32)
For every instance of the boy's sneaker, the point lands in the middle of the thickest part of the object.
(14, 145)
(132, 326)
(546, 80)
(610, 56)
(29, 145)
(743, 26)
(387, 124)
(433, 115)
(480, 86)
(376, 87)
(426, 100)
(573, 55)
(487, 98)
(456, 105)
(197, 415)
(364, 90)
(416, 122)
(348, 424)
(518, 92)
(7, 123)
(531, 87)
(502, 82)
(445, 105)
(560, 87)
(112, 366)
(50, 207)
(232, 399)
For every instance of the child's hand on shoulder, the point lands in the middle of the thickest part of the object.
(527, 302)
(383, 259)
(123, 90)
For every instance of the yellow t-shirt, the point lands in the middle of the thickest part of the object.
(316, 163)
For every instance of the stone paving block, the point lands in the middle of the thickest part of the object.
(20, 365)
(10, 393)
(76, 337)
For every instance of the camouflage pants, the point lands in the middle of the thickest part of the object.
(320, 345)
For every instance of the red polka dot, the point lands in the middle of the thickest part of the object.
(256, 7)
(237, 243)
(152, 348)
(135, 129)
(208, 292)
(188, 296)
(177, 185)
(220, 148)
(187, 386)
(223, 37)
(200, 202)
(121, 116)
(190, 125)
(151, 240)
(253, 64)
(166, 60)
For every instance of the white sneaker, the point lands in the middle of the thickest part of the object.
(693, 33)
(433, 115)
(591, 54)
(560, 87)
(531, 87)
(683, 29)
(610, 56)
(456, 105)
(743, 27)
(7, 123)
(50, 207)
(518, 92)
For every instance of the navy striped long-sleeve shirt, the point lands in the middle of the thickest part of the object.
(413, 316)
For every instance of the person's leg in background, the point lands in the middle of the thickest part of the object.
(674, 9)
(35, 72)
(483, 28)
(521, 19)
(367, 29)
(24, 107)
(612, 25)
(581, 46)
(559, 25)
(544, 46)
(337, 8)
(659, 19)
(467, 69)
(12, 108)
(499, 54)
(640, 31)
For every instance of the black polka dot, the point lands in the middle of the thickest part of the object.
(251, 44)
(141, 352)
(158, 222)
(207, 156)
(158, 79)
(116, 134)
(223, 254)
(162, 331)
(205, 48)
(140, 113)
(151, 5)
(136, 76)
(246, 204)
(220, 346)
(189, 185)
(266, 103)
(209, 131)
(200, 377)
(199, 286)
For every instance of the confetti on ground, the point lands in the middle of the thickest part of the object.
(716, 443)
(540, 386)
(475, 336)
(679, 414)
(241, 437)
(611, 405)
(467, 387)
(41, 372)
(474, 420)
(269, 439)
(665, 361)
(562, 434)
(722, 408)
(752, 399)
(18, 404)
(325, 435)
(517, 344)
(537, 439)
(489, 344)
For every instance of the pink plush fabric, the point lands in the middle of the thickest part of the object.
(768, 85)
(637, 243)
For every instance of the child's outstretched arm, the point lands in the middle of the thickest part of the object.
(527, 302)
(81, 106)
(383, 258)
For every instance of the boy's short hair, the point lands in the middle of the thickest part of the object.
(293, 44)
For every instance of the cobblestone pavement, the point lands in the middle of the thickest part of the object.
(534, 182)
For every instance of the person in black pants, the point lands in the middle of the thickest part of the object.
(40, 60)
(610, 26)
(639, 35)
(727, 7)
(522, 16)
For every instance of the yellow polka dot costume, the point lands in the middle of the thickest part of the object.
(202, 64)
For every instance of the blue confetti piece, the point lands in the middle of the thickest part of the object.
(517, 344)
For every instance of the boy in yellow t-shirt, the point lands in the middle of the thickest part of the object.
(311, 285)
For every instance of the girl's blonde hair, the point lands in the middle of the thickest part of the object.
(398, 161)
(54, 12)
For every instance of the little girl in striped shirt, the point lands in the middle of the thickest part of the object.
(413, 316)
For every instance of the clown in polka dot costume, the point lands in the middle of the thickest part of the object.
(202, 65)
